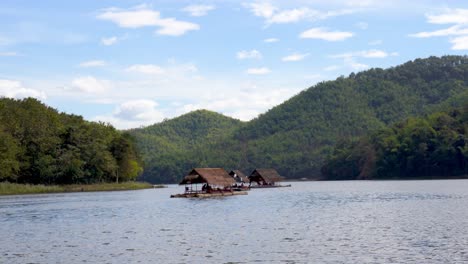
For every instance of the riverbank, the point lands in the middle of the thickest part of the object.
(7, 188)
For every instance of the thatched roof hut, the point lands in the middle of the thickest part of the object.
(238, 176)
(211, 176)
(268, 176)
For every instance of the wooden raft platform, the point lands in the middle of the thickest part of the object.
(268, 186)
(207, 195)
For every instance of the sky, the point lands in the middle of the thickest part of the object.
(135, 63)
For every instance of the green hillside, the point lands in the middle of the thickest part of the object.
(40, 145)
(297, 136)
(435, 146)
(197, 139)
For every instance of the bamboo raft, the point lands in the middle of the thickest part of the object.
(268, 186)
(207, 195)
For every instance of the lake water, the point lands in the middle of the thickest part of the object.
(310, 222)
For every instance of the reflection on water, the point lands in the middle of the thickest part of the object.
(311, 222)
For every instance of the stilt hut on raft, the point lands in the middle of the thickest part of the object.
(207, 182)
(264, 178)
(239, 176)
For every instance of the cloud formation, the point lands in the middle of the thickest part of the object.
(133, 113)
(109, 41)
(295, 57)
(9, 54)
(142, 16)
(369, 54)
(458, 32)
(271, 40)
(325, 34)
(14, 89)
(258, 71)
(249, 54)
(198, 10)
(275, 15)
(89, 84)
(92, 63)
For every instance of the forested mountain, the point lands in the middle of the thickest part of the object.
(435, 146)
(198, 139)
(297, 136)
(40, 145)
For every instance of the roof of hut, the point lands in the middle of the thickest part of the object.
(241, 176)
(214, 176)
(268, 175)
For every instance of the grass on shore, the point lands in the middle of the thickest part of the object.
(7, 188)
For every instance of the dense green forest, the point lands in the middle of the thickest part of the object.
(40, 145)
(297, 136)
(435, 146)
(198, 139)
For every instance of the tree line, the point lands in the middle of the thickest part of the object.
(40, 145)
(435, 146)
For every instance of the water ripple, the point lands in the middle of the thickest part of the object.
(312, 222)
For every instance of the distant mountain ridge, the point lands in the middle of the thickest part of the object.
(296, 136)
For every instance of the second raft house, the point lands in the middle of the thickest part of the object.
(266, 178)
(208, 182)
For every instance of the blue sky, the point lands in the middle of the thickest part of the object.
(134, 63)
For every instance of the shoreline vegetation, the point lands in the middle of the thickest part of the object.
(7, 188)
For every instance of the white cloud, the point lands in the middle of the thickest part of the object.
(324, 34)
(109, 41)
(143, 17)
(258, 71)
(249, 54)
(150, 69)
(357, 66)
(295, 57)
(133, 113)
(460, 43)
(131, 18)
(14, 89)
(168, 73)
(449, 16)
(261, 9)
(92, 63)
(349, 58)
(90, 84)
(451, 31)
(9, 54)
(290, 16)
(372, 54)
(198, 10)
(173, 27)
(274, 15)
(458, 17)
(270, 40)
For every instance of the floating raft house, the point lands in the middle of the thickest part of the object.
(215, 182)
(239, 176)
(266, 178)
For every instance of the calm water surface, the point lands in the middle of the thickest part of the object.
(311, 222)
